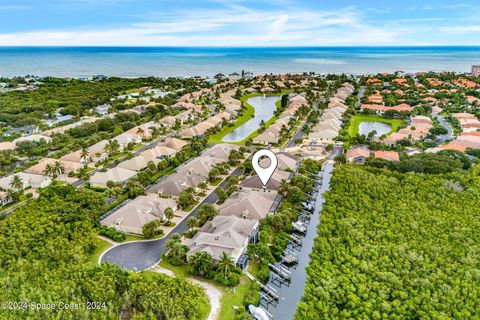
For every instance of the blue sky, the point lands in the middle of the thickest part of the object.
(239, 22)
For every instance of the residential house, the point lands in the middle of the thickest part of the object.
(134, 214)
(4, 198)
(199, 165)
(118, 175)
(220, 151)
(39, 168)
(254, 182)
(387, 155)
(223, 234)
(358, 155)
(33, 137)
(135, 164)
(175, 183)
(248, 204)
(103, 109)
(28, 179)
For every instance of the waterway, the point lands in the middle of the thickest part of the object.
(291, 294)
(379, 127)
(264, 109)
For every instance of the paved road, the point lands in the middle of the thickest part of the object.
(449, 136)
(142, 255)
(337, 150)
(361, 93)
(297, 135)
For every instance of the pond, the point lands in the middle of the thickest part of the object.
(264, 109)
(380, 128)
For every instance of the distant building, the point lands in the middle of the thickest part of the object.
(219, 76)
(476, 71)
(103, 109)
(99, 77)
(234, 76)
(248, 75)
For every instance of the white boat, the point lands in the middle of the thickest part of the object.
(258, 313)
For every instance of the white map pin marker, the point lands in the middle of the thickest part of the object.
(264, 173)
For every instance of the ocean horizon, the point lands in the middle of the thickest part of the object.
(78, 62)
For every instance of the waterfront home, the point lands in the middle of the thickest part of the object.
(134, 214)
(380, 109)
(266, 138)
(220, 151)
(136, 163)
(28, 180)
(230, 235)
(358, 155)
(254, 182)
(174, 184)
(118, 175)
(387, 155)
(248, 204)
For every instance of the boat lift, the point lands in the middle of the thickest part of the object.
(299, 227)
(281, 271)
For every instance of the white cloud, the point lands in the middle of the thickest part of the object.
(231, 25)
(461, 29)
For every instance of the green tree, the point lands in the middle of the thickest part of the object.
(169, 214)
(152, 228)
(200, 263)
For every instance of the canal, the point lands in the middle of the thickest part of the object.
(264, 109)
(290, 294)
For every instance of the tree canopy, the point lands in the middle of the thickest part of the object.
(396, 246)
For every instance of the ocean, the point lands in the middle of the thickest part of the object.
(195, 61)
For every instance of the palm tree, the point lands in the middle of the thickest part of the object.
(58, 168)
(112, 147)
(176, 251)
(225, 265)
(283, 188)
(156, 132)
(192, 222)
(84, 155)
(49, 171)
(141, 132)
(16, 184)
(200, 263)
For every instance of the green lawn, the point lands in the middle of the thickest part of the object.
(359, 118)
(230, 296)
(234, 297)
(99, 249)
